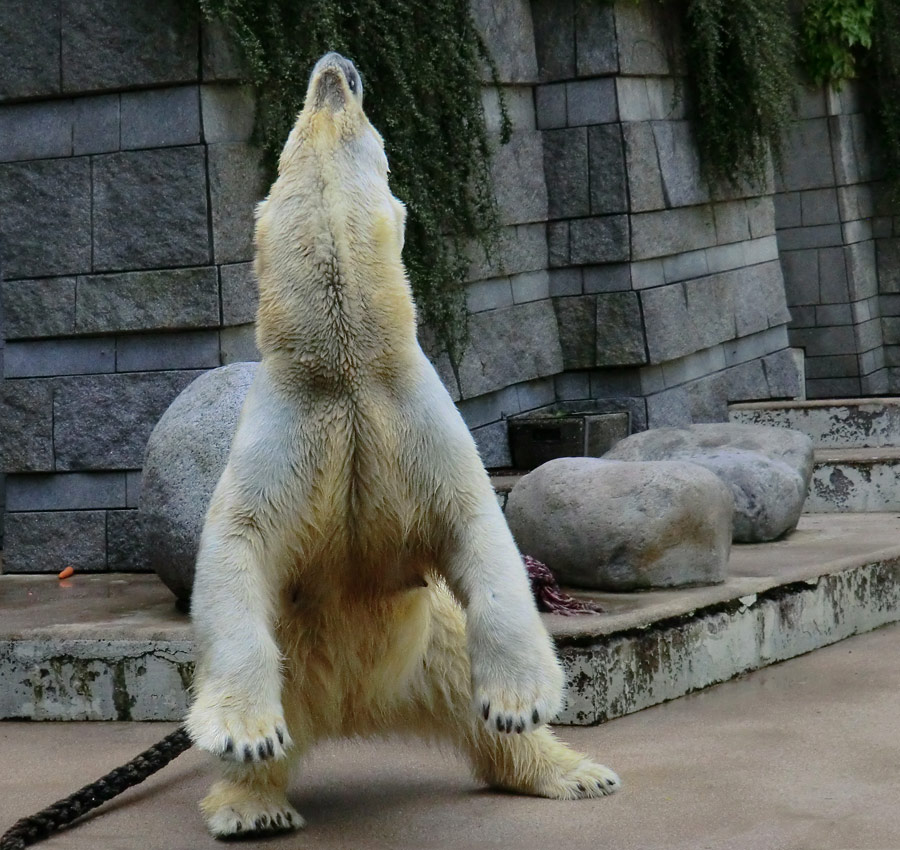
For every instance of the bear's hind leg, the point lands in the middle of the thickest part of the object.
(537, 763)
(530, 762)
(251, 800)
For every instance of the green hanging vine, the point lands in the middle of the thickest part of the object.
(740, 56)
(420, 63)
(886, 74)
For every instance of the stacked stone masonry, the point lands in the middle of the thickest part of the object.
(623, 281)
(838, 250)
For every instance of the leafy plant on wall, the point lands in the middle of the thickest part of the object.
(834, 34)
(740, 57)
(886, 74)
(421, 65)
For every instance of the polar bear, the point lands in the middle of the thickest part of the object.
(355, 575)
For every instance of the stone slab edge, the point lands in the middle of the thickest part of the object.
(607, 675)
(619, 674)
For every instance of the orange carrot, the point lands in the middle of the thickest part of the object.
(68, 571)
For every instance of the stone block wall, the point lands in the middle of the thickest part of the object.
(826, 229)
(127, 185)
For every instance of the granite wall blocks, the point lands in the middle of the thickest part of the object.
(806, 159)
(150, 300)
(642, 42)
(566, 172)
(149, 209)
(494, 359)
(240, 293)
(506, 25)
(108, 44)
(554, 38)
(45, 228)
(165, 117)
(29, 48)
(36, 308)
(550, 106)
(591, 102)
(520, 187)
(50, 541)
(59, 357)
(658, 234)
(520, 248)
(228, 113)
(124, 542)
(238, 345)
(595, 39)
(601, 239)
(608, 178)
(679, 164)
(26, 426)
(75, 491)
(35, 130)
(158, 352)
(620, 330)
(577, 320)
(103, 422)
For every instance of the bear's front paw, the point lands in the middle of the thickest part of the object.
(517, 698)
(238, 734)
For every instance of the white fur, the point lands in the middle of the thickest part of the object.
(355, 573)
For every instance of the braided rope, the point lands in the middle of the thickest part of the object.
(34, 828)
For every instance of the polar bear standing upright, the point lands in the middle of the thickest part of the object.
(355, 573)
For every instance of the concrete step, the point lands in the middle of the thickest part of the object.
(106, 647)
(831, 423)
(855, 480)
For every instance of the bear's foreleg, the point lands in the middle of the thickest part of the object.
(236, 713)
(516, 678)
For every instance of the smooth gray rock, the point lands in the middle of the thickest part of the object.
(186, 454)
(624, 526)
(767, 469)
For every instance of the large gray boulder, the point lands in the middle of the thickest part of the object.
(186, 454)
(611, 525)
(768, 469)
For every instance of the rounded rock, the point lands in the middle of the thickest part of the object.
(612, 525)
(185, 456)
(768, 469)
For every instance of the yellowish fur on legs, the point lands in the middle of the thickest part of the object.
(355, 574)
(251, 801)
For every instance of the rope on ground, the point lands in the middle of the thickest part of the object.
(37, 827)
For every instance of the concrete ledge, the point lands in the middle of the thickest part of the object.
(113, 647)
(855, 480)
(830, 423)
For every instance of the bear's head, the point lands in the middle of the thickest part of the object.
(332, 117)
